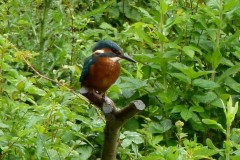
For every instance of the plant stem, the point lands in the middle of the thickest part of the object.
(42, 37)
(228, 146)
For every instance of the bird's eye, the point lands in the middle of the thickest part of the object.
(116, 51)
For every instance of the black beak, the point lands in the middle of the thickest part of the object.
(128, 58)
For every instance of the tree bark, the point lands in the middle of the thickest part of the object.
(115, 119)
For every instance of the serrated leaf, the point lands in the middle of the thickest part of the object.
(181, 77)
(216, 58)
(99, 10)
(146, 14)
(178, 108)
(207, 84)
(237, 52)
(203, 152)
(1, 133)
(230, 4)
(132, 83)
(206, 98)
(125, 143)
(2, 125)
(153, 157)
(169, 95)
(229, 72)
(232, 84)
(139, 29)
(20, 85)
(161, 127)
(196, 109)
(133, 137)
(186, 114)
(34, 90)
(156, 139)
(105, 25)
(189, 71)
(24, 132)
(188, 51)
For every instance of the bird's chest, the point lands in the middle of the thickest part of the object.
(104, 72)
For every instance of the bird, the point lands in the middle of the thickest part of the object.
(102, 68)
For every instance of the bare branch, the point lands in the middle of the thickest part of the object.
(115, 119)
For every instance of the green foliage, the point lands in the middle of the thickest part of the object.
(188, 68)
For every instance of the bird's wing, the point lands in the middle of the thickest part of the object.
(86, 66)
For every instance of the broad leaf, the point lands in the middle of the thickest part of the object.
(207, 84)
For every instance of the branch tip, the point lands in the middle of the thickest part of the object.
(139, 105)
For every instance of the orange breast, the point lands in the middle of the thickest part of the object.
(103, 73)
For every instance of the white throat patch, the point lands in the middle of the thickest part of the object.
(115, 59)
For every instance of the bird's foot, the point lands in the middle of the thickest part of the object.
(107, 104)
(84, 90)
(106, 99)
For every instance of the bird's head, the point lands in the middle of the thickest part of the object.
(110, 47)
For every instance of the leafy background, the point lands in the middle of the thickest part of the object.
(188, 69)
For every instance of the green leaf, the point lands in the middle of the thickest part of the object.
(196, 109)
(214, 123)
(178, 108)
(134, 137)
(237, 52)
(99, 10)
(20, 85)
(216, 58)
(209, 121)
(39, 146)
(181, 77)
(157, 139)
(1, 133)
(153, 157)
(228, 72)
(203, 152)
(210, 144)
(161, 127)
(188, 51)
(163, 7)
(146, 14)
(188, 71)
(126, 143)
(34, 90)
(139, 29)
(205, 98)
(2, 125)
(169, 96)
(131, 83)
(106, 26)
(186, 114)
(85, 152)
(232, 84)
(207, 84)
(231, 111)
(230, 5)
(24, 132)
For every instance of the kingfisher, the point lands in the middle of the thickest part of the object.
(102, 68)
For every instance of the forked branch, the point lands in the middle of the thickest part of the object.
(115, 119)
